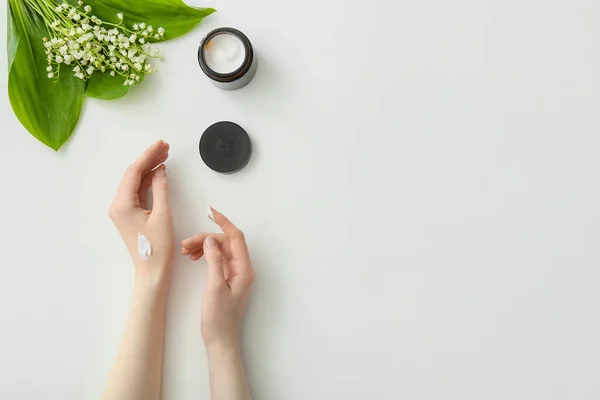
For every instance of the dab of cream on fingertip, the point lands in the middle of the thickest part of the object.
(144, 247)
(210, 213)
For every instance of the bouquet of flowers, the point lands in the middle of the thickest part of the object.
(59, 52)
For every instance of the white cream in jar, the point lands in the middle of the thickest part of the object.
(225, 53)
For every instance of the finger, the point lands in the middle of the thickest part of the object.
(197, 240)
(147, 182)
(130, 185)
(197, 255)
(212, 253)
(160, 190)
(239, 249)
(151, 157)
(191, 244)
(143, 193)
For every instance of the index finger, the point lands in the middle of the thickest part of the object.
(239, 249)
(130, 185)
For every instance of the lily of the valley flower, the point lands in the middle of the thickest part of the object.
(89, 45)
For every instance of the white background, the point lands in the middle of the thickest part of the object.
(422, 207)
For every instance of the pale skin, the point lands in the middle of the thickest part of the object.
(137, 371)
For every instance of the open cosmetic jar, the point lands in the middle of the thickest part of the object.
(227, 57)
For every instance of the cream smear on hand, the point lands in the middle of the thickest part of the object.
(144, 247)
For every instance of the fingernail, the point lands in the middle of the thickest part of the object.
(210, 242)
(210, 213)
(160, 172)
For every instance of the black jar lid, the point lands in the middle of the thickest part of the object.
(225, 147)
(232, 76)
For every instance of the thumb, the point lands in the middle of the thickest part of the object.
(160, 190)
(212, 253)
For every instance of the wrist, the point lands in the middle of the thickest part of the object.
(223, 349)
(152, 278)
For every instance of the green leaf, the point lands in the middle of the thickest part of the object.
(13, 38)
(175, 16)
(105, 87)
(48, 109)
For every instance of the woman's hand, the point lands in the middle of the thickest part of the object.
(137, 373)
(230, 278)
(131, 216)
